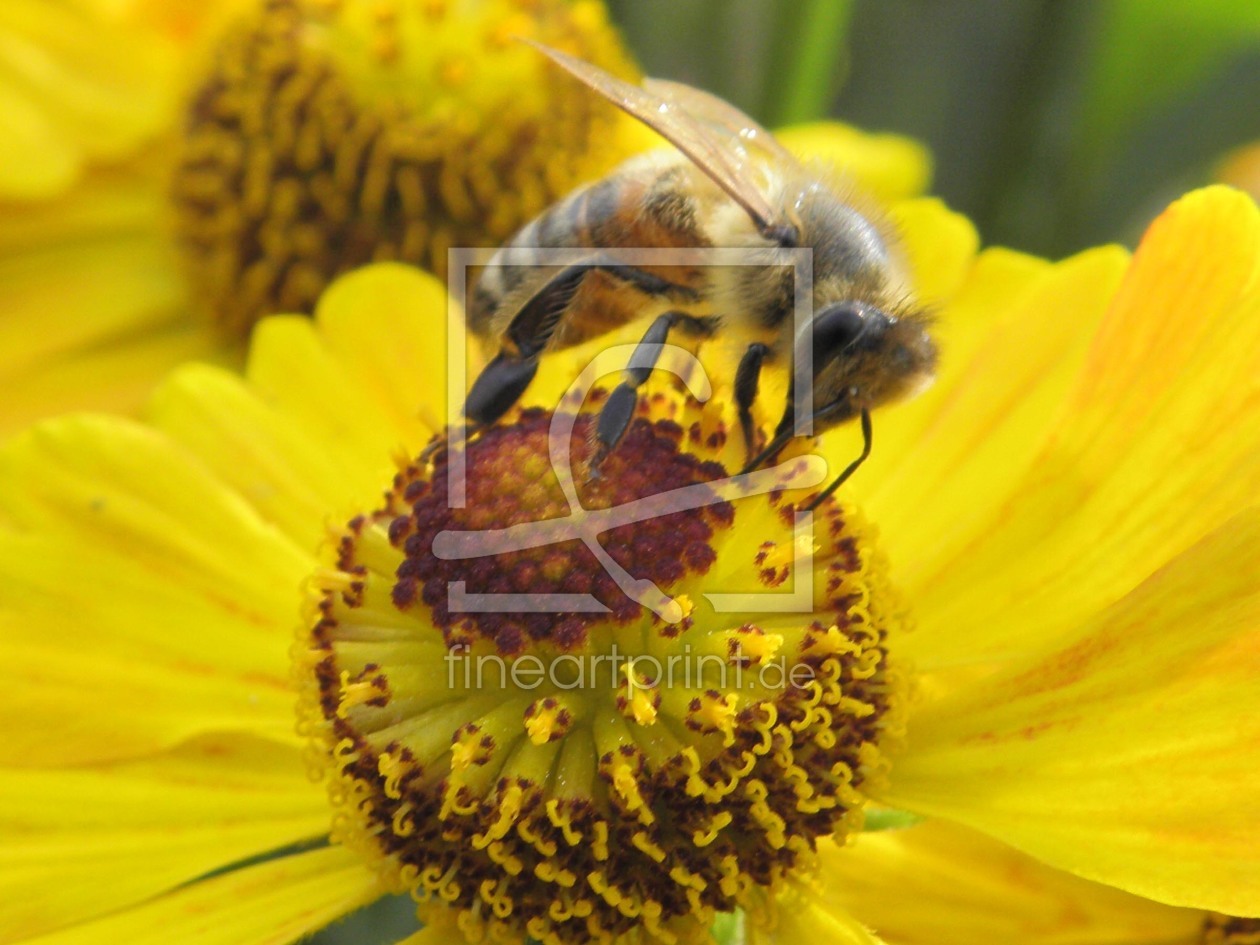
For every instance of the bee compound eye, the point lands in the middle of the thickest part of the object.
(836, 327)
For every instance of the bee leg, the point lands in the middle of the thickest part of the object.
(536, 321)
(646, 282)
(498, 387)
(782, 433)
(504, 380)
(848, 470)
(746, 377)
(618, 410)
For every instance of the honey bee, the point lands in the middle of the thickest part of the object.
(726, 183)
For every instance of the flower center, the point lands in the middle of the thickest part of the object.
(510, 735)
(332, 133)
(662, 548)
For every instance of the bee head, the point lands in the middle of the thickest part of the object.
(864, 357)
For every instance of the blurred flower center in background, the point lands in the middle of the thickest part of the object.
(327, 135)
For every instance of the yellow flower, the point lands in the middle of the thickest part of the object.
(174, 170)
(1068, 663)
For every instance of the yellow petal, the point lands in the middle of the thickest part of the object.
(77, 84)
(141, 586)
(94, 308)
(806, 914)
(294, 480)
(941, 884)
(886, 166)
(37, 161)
(273, 903)
(116, 377)
(59, 257)
(940, 247)
(83, 842)
(1157, 443)
(389, 325)
(99, 694)
(110, 480)
(334, 401)
(997, 279)
(1127, 752)
(951, 462)
(290, 368)
(360, 380)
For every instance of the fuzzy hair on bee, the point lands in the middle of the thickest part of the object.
(725, 183)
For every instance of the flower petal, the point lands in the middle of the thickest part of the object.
(948, 461)
(389, 325)
(294, 480)
(292, 369)
(887, 167)
(87, 841)
(273, 903)
(1126, 753)
(81, 84)
(1092, 497)
(995, 277)
(117, 376)
(940, 246)
(95, 312)
(370, 370)
(37, 160)
(811, 915)
(143, 591)
(941, 884)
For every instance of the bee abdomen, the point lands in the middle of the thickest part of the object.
(589, 217)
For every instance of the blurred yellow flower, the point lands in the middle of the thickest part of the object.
(173, 171)
(1069, 515)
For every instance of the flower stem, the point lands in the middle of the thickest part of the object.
(810, 59)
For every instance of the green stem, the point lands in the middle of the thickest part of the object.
(809, 60)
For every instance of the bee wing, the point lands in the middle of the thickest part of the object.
(669, 117)
(722, 115)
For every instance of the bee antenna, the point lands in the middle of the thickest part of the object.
(848, 470)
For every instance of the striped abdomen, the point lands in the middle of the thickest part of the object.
(645, 204)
